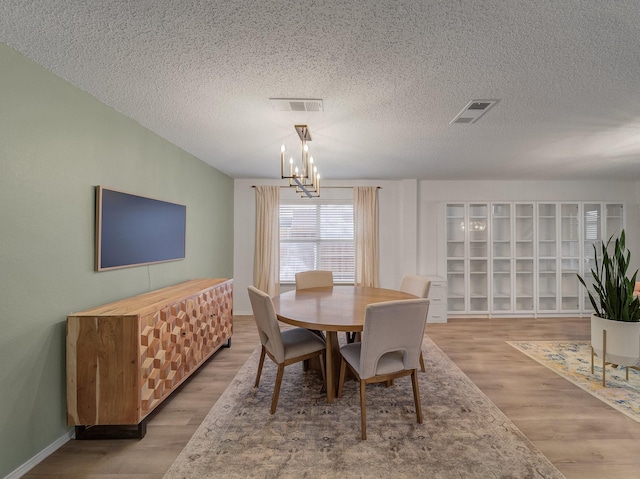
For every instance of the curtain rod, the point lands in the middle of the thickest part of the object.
(323, 187)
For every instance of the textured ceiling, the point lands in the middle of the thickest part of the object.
(392, 74)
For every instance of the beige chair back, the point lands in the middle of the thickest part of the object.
(266, 320)
(416, 285)
(314, 279)
(392, 326)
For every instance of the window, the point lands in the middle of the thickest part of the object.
(317, 236)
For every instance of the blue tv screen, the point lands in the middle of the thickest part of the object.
(134, 230)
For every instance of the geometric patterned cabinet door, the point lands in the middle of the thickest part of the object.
(125, 358)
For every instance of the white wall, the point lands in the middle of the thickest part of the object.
(412, 219)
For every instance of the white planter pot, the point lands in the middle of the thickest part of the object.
(623, 340)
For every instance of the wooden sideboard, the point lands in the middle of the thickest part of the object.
(125, 358)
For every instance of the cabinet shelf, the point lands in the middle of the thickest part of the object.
(454, 295)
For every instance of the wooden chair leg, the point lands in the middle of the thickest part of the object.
(263, 353)
(363, 409)
(343, 373)
(276, 389)
(416, 395)
(422, 368)
(323, 359)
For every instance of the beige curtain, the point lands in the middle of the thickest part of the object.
(365, 212)
(266, 258)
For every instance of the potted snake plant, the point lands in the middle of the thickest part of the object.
(616, 309)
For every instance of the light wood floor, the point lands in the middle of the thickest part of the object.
(581, 436)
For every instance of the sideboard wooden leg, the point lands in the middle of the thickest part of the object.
(134, 431)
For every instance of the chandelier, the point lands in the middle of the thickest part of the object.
(304, 178)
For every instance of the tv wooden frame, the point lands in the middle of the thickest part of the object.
(99, 230)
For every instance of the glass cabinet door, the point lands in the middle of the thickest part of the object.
(477, 227)
(501, 257)
(591, 236)
(547, 257)
(524, 247)
(614, 219)
(478, 286)
(456, 257)
(569, 257)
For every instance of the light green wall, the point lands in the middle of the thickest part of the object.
(56, 143)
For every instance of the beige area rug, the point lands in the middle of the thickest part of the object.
(464, 435)
(572, 361)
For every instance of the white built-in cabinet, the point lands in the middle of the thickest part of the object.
(522, 258)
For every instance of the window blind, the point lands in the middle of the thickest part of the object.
(317, 236)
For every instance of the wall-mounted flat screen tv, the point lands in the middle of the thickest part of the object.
(134, 230)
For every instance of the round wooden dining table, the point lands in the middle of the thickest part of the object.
(331, 309)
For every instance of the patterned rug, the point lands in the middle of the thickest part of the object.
(572, 361)
(464, 435)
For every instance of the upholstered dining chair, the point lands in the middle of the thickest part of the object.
(389, 349)
(418, 286)
(283, 347)
(313, 279)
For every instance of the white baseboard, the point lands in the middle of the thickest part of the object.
(41, 456)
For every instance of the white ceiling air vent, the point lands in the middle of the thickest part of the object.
(473, 111)
(296, 104)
